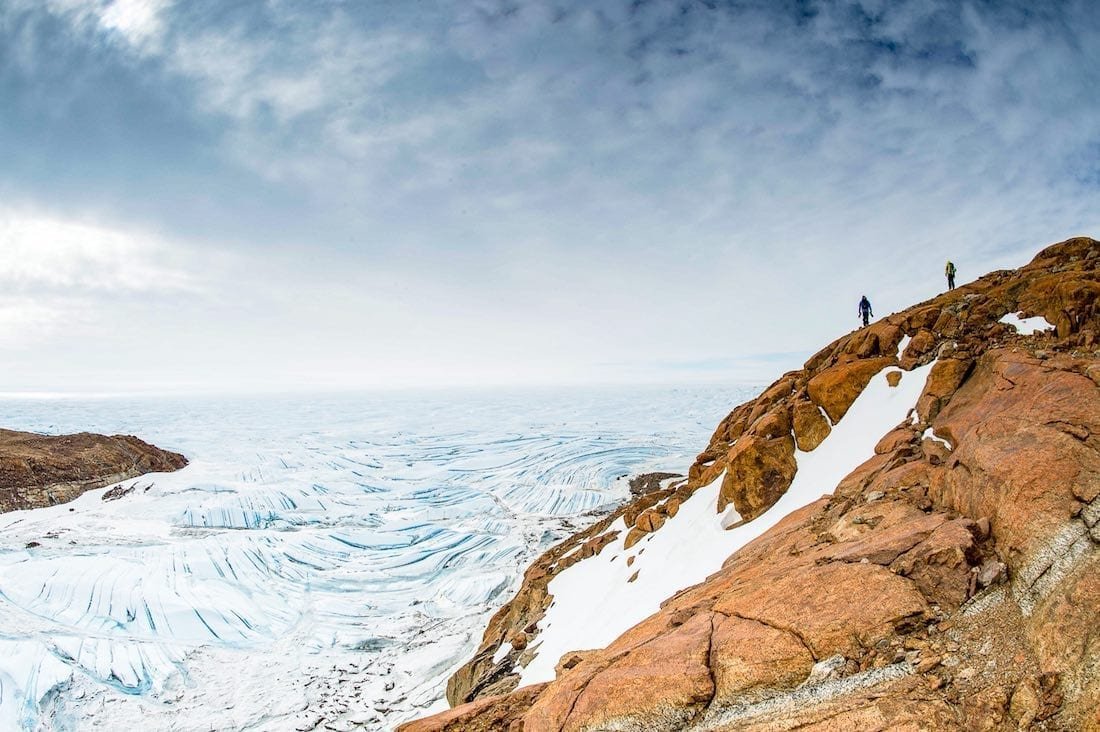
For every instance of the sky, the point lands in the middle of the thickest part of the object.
(281, 195)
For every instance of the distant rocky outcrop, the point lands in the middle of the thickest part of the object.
(40, 470)
(951, 581)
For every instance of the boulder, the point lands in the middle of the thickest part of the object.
(650, 520)
(758, 472)
(945, 378)
(809, 424)
(835, 388)
(920, 344)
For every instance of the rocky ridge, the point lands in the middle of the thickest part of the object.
(41, 470)
(952, 581)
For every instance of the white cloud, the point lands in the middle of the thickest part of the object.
(26, 322)
(42, 253)
(139, 22)
(65, 279)
(555, 191)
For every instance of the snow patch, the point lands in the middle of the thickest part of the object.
(1027, 326)
(903, 345)
(504, 650)
(731, 518)
(593, 601)
(929, 434)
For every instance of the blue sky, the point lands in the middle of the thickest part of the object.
(274, 195)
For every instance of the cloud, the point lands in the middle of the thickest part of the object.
(61, 277)
(615, 182)
(40, 253)
(26, 322)
(136, 21)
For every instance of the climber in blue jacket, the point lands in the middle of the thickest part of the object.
(865, 310)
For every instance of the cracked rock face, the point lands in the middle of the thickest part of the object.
(951, 581)
(39, 470)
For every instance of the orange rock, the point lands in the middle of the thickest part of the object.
(672, 506)
(921, 343)
(658, 685)
(705, 474)
(758, 472)
(748, 656)
(836, 607)
(633, 537)
(571, 660)
(494, 714)
(940, 564)
(776, 423)
(947, 325)
(837, 387)
(895, 440)
(810, 425)
(778, 391)
(946, 376)
(1016, 464)
(901, 528)
(650, 520)
(922, 318)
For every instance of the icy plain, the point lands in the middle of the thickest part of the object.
(323, 563)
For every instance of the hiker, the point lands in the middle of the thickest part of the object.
(949, 270)
(865, 310)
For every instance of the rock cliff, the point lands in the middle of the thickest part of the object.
(39, 470)
(949, 580)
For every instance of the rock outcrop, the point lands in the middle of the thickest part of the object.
(40, 470)
(951, 581)
(514, 623)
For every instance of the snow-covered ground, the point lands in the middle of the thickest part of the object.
(1027, 326)
(595, 600)
(323, 562)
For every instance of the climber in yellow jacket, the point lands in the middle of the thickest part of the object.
(949, 270)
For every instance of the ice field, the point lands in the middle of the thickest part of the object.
(323, 563)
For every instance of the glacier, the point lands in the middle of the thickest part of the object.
(324, 562)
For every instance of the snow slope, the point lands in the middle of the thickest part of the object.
(593, 601)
